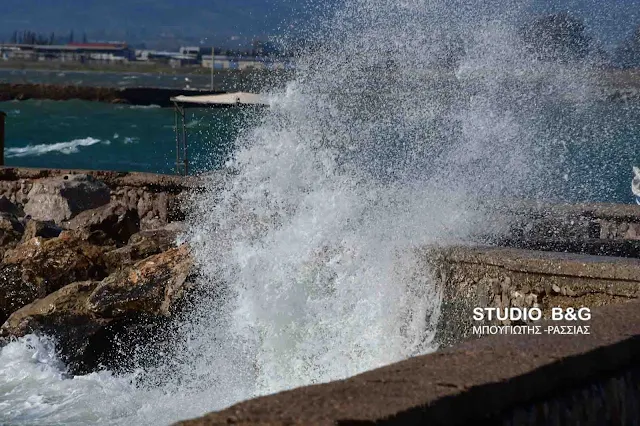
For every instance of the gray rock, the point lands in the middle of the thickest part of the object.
(142, 245)
(115, 220)
(10, 232)
(100, 324)
(150, 286)
(39, 267)
(61, 198)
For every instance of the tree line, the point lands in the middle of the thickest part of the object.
(32, 37)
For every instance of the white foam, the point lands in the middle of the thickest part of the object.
(128, 140)
(71, 147)
(308, 255)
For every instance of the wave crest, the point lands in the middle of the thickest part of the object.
(70, 147)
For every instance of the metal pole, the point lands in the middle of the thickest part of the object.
(184, 141)
(2, 118)
(175, 109)
(212, 50)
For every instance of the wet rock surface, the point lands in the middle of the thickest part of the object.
(90, 258)
(36, 228)
(61, 198)
(11, 230)
(142, 245)
(149, 286)
(87, 317)
(105, 275)
(115, 220)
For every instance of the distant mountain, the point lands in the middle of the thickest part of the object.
(154, 21)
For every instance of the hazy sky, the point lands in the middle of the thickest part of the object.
(608, 20)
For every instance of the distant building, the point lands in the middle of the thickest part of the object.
(155, 56)
(73, 52)
(220, 62)
(177, 61)
(251, 63)
(223, 62)
(191, 51)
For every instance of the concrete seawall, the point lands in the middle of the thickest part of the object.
(505, 380)
(567, 256)
(544, 256)
(504, 278)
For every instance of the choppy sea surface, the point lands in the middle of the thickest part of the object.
(91, 135)
(307, 268)
(598, 144)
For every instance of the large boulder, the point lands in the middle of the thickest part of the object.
(61, 198)
(61, 314)
(150, 286)
(39, 267)
(115, 221)
(98, 324)
(142, 245)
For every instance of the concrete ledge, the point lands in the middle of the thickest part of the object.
(494, 380)
(536, 221)
(506, 277)
(548, 263)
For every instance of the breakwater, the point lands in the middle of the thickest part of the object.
(131, 95)
(529, 379)
(104, 272)
(506, 380)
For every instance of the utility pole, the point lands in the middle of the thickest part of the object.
(212, 50)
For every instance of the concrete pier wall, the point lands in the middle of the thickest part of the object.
(505, 277)
(512, 379)
(504, 380)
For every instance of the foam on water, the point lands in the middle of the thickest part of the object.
(383, 142)
(70, 147)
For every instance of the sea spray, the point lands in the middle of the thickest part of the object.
(401, 117)
(387, 139)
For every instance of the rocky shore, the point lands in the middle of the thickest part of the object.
(90, 258)
(94, 259)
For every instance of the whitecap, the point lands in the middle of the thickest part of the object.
(71, 147)
(131, 140)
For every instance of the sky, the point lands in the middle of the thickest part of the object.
(214, 21)
(610, 21)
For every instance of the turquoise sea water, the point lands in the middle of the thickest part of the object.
(598, 144)
(88, 135)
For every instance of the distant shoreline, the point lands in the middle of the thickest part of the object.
(130, 96)
(129, 68)
(616, 85)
